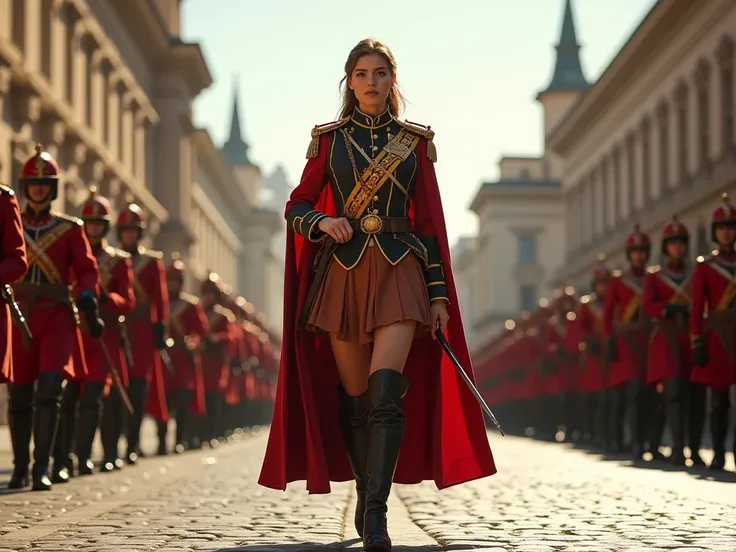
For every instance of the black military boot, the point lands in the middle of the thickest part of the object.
(46, 420)
(353, 415)
(137, 393)
(697, 395)
(89, 418)
(181, 416)
(635, 390)
(163, 429)
(386, 422)
(111, 429)
(63, 468)
(719, 428)
(20, 420)
(674, 397)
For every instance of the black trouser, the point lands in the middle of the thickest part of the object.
(90, 405)
(178, 403)
(111, 429)
(138, 393)
(64, 443)
(49, 386)
(685, 415)
(695, 408)
(642, 423)
(212, 422)
(616, 399)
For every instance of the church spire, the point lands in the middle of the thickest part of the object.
(568, 75)
(235, 150)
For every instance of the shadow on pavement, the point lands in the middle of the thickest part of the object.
(314, 547)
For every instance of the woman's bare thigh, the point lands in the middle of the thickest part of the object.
(391, 345)
(353, 363)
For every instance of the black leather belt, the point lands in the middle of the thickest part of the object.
(376, 224)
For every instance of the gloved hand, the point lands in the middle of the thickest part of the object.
(672, 310)
(611, 349)
(700, 353)
(87, 304)
(159, 336)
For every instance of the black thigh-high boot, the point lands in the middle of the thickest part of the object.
(163, 427)
(183, 397)
(353, 416)
(674, 396)
(63, 468)
(635, 390)
(695, 414)
(617, 408)
(386, 422)
(113, 413)
(719, 407)
(46, 420)
(137, 392)
(655, 406)
(90, 404)
(20, 420)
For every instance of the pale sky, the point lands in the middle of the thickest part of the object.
(470, 68)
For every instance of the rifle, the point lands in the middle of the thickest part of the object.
(117, 382)
(15, 312)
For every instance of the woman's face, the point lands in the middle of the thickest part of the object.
(371, 81)
(38, 193)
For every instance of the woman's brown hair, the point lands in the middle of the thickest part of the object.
(366, 47)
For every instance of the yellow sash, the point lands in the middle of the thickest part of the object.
(37, 251)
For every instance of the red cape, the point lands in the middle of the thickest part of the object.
(445, 438)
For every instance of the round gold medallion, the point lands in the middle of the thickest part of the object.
(371, 224)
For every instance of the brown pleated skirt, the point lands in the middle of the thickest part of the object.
(374, 293)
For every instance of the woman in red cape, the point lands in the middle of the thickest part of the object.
(418, 404)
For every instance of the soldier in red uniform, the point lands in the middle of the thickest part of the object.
(594, 380)
(59, 255)
(713, 343)
(218, 351)
(13, 266)
(626, 331)
(146, 325)
(188, 327)
(667, 301)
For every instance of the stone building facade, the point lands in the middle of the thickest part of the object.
(653, 138)
(107, 87)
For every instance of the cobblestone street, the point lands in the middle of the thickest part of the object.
(546, 497)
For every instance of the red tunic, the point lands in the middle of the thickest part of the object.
(622, 307)
(254, 359)
(669, 343)
(13, 266)
(219, 348)
(589, 322)
(236, 382)
(116, 275)
(152, 306)
(59, 255)
(713, 289)
(188, 326)
(445, 438)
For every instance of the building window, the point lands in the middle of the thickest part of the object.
(527, 253)
(702, 78)
(631, 184)
(528, 297)
(682, 131)
(646, 162)
(664, 148)
(725, 55)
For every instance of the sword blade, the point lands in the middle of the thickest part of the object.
(473, 389)
(16, 312)
(166, 359)
(117, 382)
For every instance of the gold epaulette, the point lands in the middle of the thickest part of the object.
(68, 218)
(6, 189)
(189, 298)
(617, 273)
(115, 252)
(704, 259)
(653, 269)
(150, 252)
(227, 313)
(424, 132)
(319, 130)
